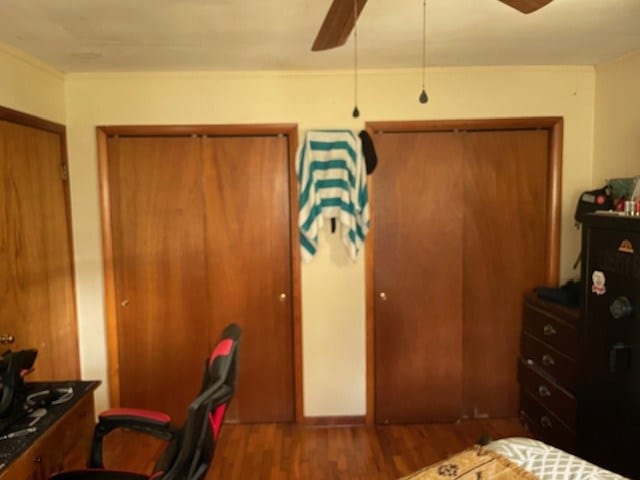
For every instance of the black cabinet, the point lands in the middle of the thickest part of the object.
(608, 397)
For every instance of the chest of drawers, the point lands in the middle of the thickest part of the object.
(548, 370)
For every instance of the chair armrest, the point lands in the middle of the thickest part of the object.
(134, 417)
(151, 422)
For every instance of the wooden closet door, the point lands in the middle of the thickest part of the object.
(158, 231)
(505, 231)
(248, 259)
(37, 304)
(418, 277)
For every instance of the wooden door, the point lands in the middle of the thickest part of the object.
(158, 231)
(201, 238)
(418, 277)
(465, 225)
(248, 251)
(505, 230)
(37, 304)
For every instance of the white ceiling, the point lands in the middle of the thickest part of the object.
(174, 35)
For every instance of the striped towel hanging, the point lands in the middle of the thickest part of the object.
(332, 183)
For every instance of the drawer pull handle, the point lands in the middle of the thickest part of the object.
(543, 391)
(546, 422)
(548, 360)
(549, 330)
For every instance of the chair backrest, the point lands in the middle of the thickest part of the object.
(13, 367)
(191, 454)
(223, 364)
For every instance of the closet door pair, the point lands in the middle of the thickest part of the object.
(460, 232)
(200, 227)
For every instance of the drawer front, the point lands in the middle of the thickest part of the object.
(550, 329)
(544, 424)
(556, 364)
(78, 434)
(548, 393)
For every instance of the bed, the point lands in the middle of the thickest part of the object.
(514, 459)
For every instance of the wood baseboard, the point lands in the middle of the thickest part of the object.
(334, 421)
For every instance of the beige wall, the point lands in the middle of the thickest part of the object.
(333, 311)
(29, 86)
(617, 119)
(602, 114)
(332, 287)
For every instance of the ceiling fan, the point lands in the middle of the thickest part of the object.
(340, 19)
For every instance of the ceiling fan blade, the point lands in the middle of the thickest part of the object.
(337, 24)
(526, 6)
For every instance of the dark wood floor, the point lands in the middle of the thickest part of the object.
(281, 451)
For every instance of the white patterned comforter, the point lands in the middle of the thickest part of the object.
(547, 462)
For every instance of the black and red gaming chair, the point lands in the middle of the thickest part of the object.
(190, 448)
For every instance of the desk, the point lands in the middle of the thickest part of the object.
(62, 438)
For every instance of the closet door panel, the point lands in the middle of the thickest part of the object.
(36, 275)
(248, 255)
(56, 229)
(418, 277)
(505, 228)
(159, 267)
(25, 302)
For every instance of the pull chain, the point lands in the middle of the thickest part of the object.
(423, 98)
(356, 112)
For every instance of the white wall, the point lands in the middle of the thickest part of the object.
(28, 85)
(617, 119)
(332, 287)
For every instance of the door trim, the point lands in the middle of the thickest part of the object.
(286, 129)
(554, 125)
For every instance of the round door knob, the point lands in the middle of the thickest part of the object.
(124, 302)
(282, 297)
(11, 338)
(3, 339)
(621, 308)
(383, 296)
